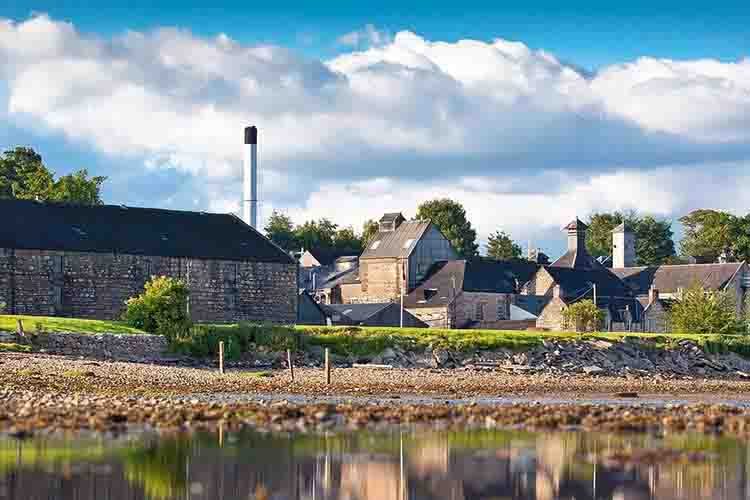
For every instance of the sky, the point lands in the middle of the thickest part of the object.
(530, 115)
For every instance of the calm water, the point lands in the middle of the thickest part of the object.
(396, 465)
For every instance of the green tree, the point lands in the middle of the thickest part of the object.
(369, 229)
(705, 311)
(346, 238)
(450, 217)
(708, 234)
(500, 246)
(162, 308)
(583, 316)
(280, 230)
(23, 175)
(739, 237)
(321, 233)
(653, 238)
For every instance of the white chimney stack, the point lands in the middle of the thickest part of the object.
(250, 177)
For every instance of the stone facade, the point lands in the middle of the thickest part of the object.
(381, 281)
(96, 285)
(478, 310)
(107, 346)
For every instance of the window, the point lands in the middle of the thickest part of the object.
(57, 298)
(501, 314)
(59, 263)
(147, 269)
(375, 245)
(479, 313)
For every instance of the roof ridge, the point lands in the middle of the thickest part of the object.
(67, 204)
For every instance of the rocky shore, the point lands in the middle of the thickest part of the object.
(24, 413)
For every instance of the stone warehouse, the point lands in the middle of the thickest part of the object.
(85, 262)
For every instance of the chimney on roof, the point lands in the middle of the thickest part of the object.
(576, 235)
(250, 177)
(623, 246)
(390, 222)
(653, 295)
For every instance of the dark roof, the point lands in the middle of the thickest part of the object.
(476, 275)
(668, 279)
(337, 278)
(357, 312)
(327, 256)
(532, 303)
(576, 225)
(389, 244)
(391, 217)
(575, 282)
(32, 225)
(578, 259)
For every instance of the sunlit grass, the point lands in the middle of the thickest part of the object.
(9, 323)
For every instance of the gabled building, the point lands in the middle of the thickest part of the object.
(397, 257)
(382, 314)
(322, 270)
(477, 293)
(86, 261)
(578, 276)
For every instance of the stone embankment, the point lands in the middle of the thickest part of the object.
(111, 346)
(587, 357)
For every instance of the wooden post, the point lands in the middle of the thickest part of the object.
(328, 366)
(221, 356)
(20, 331)
(291, 365)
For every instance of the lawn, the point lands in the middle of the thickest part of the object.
(9, 323)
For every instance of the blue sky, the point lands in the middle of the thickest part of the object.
(365, 107)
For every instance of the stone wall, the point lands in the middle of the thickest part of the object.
(481, 310)
(106, 346)
(380, 280)
(551, 317)
(96, 285)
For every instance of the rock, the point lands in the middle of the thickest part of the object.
(441, 358)
(593, 370)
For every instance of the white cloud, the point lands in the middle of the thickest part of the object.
(494, 124)
(367, 36)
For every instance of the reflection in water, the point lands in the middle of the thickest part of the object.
(399, 465)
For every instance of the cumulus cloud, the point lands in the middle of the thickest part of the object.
(517, 135)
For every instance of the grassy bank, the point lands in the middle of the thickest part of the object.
(363, 341)
(31, 324)
(203, 340)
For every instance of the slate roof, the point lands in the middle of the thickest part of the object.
(390, 244)
(578, 259)
(337, 278)
(533, 304)
(575, 282)
(32, 225)
(358, 313)
(668, 279)
(327, 256)
(476, 275)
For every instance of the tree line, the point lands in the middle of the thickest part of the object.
(23, 175)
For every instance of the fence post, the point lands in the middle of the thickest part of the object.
(328, 366)
(20, 331)
(291, 365)
(221, 356)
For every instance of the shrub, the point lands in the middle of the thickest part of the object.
(705, 311)
(161, 308)
(583, 316)
(2, 307)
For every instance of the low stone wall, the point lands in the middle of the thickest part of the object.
(108, 346)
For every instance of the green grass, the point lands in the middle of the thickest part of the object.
(11, 347)
(368, 341)
(9, 323)
(255, 374)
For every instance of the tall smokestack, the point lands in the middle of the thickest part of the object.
(250, 177)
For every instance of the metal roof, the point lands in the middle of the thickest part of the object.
(390, 244)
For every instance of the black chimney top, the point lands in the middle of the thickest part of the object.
(251, 135)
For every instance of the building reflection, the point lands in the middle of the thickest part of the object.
(401, 465)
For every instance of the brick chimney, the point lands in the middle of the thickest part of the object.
(623, 247)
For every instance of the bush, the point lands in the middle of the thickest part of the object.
(583, 316)
(161, 308)
(705, 311)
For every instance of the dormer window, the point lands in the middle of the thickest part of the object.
(375, 245)
(408, 243)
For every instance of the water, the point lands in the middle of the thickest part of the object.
(395, 465)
